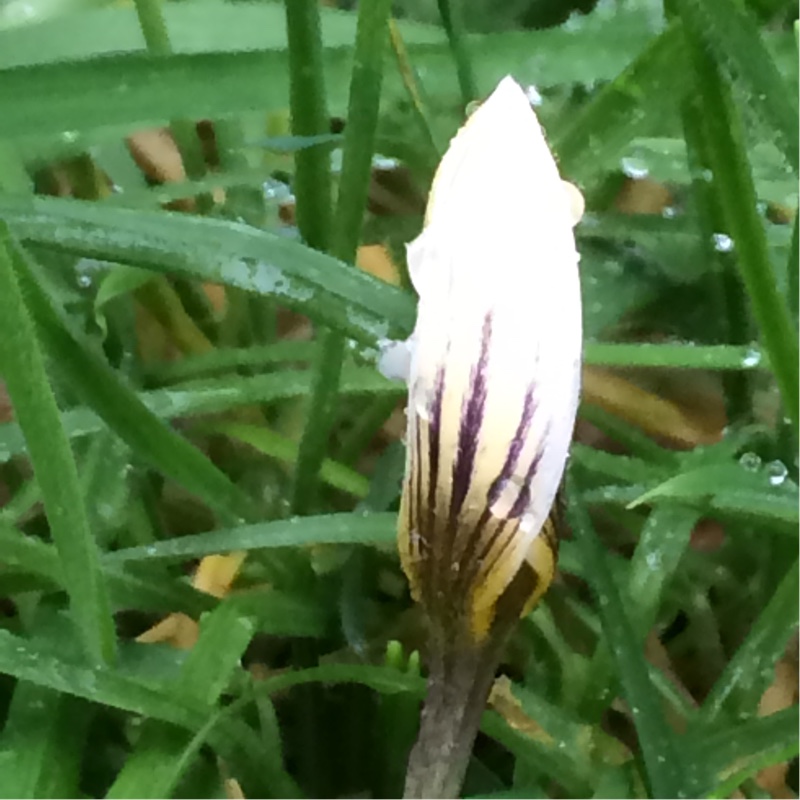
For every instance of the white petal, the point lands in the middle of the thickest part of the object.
(493, 385)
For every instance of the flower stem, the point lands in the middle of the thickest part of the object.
(460, 675)
(459, 681)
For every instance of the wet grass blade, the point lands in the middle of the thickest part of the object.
(42, 742)
(343, 237)
(35, 408)
(369, 529)
(663, 760)
(274, 445)
(674, 356)
(732, 34)
(663, 541)
(733, 182)
(211, 397)
(747, 675)
(156, 765)
(590, 140)
(119, 407)
(733, 754)
(159, 594)
(217, 251)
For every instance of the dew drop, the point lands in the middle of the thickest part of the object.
(777, 472)
(386, 163)
(750, 461)
(534, 98)
(276, 190)
(722, 242)
(634, 168)
(394, 361)
(752, 358)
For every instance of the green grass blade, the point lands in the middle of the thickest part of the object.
(272, 444)
(312, 173)
(793, 271)
(155, 766)
(735, 753)
(451, 22)
(369, 529)
(663, 541)
(663, 761)
(733, 180)
(231, 359)
(747, 675)
(343, 238)
(102, 390)
(45, 667)
(674, 356)
(719, 484)
(42, 742)
(592, 139)
(217, 251)
(732, 34)
(42, 667)
(53, 462)
(212, 397)
(127, 591)
(729, 296)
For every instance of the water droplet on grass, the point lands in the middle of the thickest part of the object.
(635, 168)
(777, 472)
(750, 461)
(722, 242)
(752, 358)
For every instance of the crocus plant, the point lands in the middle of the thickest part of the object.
(493, 381)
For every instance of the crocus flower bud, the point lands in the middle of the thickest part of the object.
(495, 369)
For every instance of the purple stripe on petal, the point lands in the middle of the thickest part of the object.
(524, 496)
(518, 509)
(471, 422)
(415, 491)
(510, 466)
(434, 436)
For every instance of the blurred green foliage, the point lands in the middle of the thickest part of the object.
(147, 425)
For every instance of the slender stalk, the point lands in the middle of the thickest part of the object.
(458, 685)
(793, 273)
(36, 411)
(362, 122)
(156, 37)
(460, 676)
(309, 110)
(312, 188)
(734, 182)
(154, 27)
(414, 89)
(727, 289)
(675, 356)
(663, 760)
(455, 35)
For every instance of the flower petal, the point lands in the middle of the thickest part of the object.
(494, 377)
